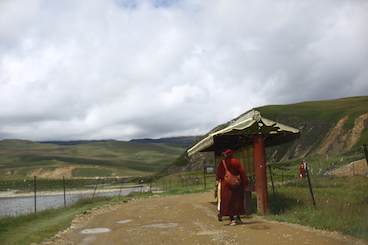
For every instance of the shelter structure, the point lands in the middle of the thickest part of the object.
(248, 136)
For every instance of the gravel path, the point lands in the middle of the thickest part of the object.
(185, 219)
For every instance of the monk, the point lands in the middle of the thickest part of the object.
(232, 200)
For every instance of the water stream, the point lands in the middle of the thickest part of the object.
(20, 205)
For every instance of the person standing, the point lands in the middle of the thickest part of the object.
(232, 200)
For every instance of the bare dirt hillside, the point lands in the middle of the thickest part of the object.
(186, 219)
(354, 168)
(57, 173)
(339, 138)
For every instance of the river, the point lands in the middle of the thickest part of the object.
(12, 205)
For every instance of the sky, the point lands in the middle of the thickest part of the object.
(131, 69)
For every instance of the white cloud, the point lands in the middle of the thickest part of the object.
(129, 69)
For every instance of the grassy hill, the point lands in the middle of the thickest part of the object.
(88, 159)
(337, 128)
(326, 127)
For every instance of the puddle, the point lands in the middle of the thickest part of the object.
(124, 221)
(162, 225)
(260, 227)
(95, 231)
(89, 240)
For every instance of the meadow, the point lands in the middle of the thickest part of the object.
(341, 204)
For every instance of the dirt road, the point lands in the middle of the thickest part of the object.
(186, 219)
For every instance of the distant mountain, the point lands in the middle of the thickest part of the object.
(72, 142)
(326, 127)
(184, 140)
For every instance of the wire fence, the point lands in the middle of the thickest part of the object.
(25, 196)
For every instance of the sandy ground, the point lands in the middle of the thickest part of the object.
(185, 219)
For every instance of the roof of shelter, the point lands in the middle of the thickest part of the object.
(240, 134)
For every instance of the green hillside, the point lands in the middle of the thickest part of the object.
(111, 158)
(316, 120)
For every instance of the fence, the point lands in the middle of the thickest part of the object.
(27, 196)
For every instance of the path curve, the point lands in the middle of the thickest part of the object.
(185, 219)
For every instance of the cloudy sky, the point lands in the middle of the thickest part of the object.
(124, 69)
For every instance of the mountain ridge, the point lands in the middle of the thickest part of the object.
(183, 140)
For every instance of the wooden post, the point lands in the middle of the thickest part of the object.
(64, 192)
(365, 152)
(121, 187)
(248, 197)
(95, 187)
(35, 196)
(310, 185)
(247, 201)
(273, 188)
(204, 176)
(260, 171)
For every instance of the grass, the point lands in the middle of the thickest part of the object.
(91, 172)
(30, 228)
(341, 204)
(27, 229)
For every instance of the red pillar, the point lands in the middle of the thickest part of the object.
(260, 171)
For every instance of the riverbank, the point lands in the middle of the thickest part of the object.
(51, 193)
(13, 203)
(17, 193)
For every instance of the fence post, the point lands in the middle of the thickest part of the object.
(273, 188)
(35, 196)
(64, 192)
(121, 188)
(204, 177)
(310, 184)
(365, 152)
(95, 187)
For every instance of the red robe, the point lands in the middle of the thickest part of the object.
(232, 200)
